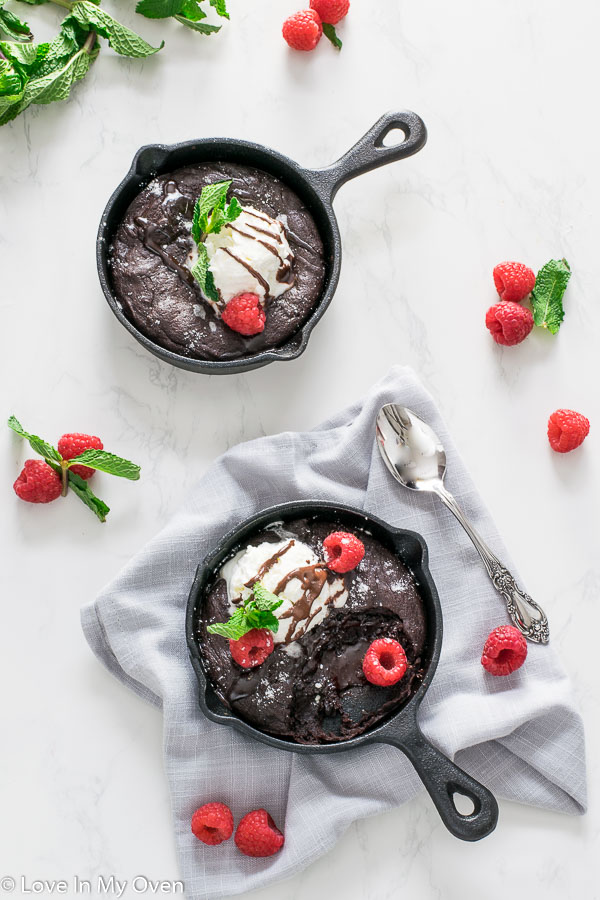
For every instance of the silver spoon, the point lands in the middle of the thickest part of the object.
(414, 455)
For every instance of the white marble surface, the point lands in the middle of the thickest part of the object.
(510, 171)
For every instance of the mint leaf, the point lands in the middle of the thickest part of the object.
(121, 39)
(11, 82)
(547, 295)
(197, 26)
(191, 9)
(234, 629)
(264, 599)
(255, 612)
(220, 7)
(13, 27)
(212, 197)
(331, 34)
(204, 277)
(107, 462)
(159, 9)
(80, 487)
(37, 444)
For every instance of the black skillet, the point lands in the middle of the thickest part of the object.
(441, 777)
(315, 187)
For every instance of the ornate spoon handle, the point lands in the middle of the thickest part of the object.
(529, 618)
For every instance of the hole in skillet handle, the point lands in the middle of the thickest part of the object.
(396, 139)
(464, 804)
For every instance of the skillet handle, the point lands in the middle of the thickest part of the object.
(369, 152)
(443, 779)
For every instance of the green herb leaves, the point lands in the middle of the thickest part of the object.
(211, 213)
(547, 295)
(37, 444)
(12, 27)
(120, 38)
(94, 459)
(48, 71)
(255, 612)
(186, 12)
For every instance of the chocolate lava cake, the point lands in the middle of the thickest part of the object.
(311, 688)
(153, 251)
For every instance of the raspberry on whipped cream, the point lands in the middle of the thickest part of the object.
(290, 569)
(250, 255)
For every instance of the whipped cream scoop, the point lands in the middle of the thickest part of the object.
(252, 254)
(290, 569)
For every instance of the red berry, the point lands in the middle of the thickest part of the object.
(252, 648)
(257, 834)
(213, 823)
(385, 662)
(343, 551)
(303, 30)
(513, 281)
(567, 429)
(245, 315)
(38, 482)
(509, 323)
(330, 11)
(504, 651)
(71, 445)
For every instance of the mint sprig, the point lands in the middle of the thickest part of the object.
(50, 70)
(255, 612)
(12, 27)
(94, 459)
(186, 12)
(547, 295)
(211, 213)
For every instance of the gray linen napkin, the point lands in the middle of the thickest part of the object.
(520, 735)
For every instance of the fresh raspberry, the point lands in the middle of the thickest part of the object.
(509, 323)
(343, 551)
(213, 823)
(330, 11)
(513, 281)
(245, 315)
(38, 482)
(567, 429)
(257, 834)
(71, 445)
(385, 662)
(252, 648)
(303, 30)
(504, 651)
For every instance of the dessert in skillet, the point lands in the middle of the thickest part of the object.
(313, 634)
(217, 261)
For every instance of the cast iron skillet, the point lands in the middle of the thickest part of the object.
(442, 778)
(315, 187)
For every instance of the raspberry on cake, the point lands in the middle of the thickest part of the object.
(567, 430)
(72, 445)
(385, 662)
(245, 315)
(258, 835)
(513, 281)
(252, 648)
(38, 482)
(504, 651)
(343, 551)
(213, 823)
(509, 323)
